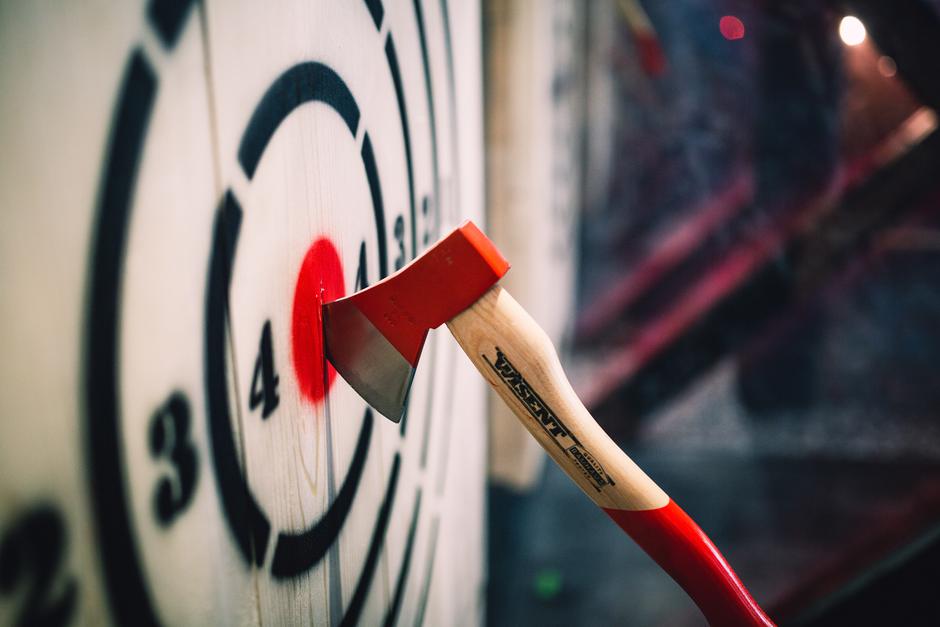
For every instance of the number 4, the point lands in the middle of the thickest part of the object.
(265, 379)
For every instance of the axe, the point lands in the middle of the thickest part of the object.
(374, 339)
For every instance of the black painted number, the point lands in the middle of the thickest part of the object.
(426, 214)
(32, 550)
(362, 279)
(264, 381)
(169, 440)
(400, 238)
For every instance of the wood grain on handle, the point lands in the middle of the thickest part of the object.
(516, 357)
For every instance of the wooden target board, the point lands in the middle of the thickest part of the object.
(189, 181)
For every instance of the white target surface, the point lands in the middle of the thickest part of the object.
(191, 180)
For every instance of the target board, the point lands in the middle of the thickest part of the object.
(185, 184)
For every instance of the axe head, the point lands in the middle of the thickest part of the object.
(374, 337)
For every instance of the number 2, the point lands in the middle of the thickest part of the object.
(35, 545)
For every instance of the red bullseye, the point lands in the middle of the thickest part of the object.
(320, 280)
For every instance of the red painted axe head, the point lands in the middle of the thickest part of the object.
(374, 337)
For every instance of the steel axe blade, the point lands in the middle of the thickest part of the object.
(374, 338)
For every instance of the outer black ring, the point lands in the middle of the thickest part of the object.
(130, 599)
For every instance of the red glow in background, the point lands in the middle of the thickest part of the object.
(731, 28)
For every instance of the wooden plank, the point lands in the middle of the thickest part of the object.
(349, 162)
(533, 188)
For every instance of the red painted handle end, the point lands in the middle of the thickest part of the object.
(683, 550)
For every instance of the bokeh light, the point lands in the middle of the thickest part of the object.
(887, 67)
(851, 30)
(731, 27)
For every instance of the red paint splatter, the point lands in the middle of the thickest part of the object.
(731, 27)
(320, 279)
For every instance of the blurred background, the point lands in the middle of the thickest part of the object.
(742, 262)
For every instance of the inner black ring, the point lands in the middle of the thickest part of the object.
(294, 553)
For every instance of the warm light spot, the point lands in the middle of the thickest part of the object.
(731, 27)
(851, 30)
(887, 67)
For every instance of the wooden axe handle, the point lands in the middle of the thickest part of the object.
(516, 357)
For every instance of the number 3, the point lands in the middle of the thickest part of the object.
(169, 439)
